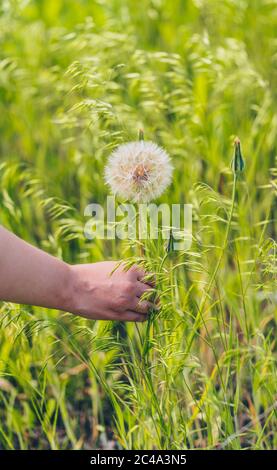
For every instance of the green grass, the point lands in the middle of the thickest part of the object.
(77, 79)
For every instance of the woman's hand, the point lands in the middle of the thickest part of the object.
(101, 291)
(106, 291)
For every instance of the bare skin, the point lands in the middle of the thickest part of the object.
(95, 291)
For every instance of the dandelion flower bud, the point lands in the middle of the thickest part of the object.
(138, 171)
(237, 163)
(170, 243)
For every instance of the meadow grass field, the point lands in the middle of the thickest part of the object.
(76, 80)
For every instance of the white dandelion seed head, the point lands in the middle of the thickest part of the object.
(138, 171)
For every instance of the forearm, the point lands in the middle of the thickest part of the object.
(96, 291)
(31, 276)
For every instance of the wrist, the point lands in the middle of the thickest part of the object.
(77, 289)
(67, 297)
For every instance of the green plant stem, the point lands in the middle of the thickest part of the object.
(146, 369)
(203, 302)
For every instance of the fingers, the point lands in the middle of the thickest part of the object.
(149, 279)
(146, 278)
(127, 315)
(143, 306)
(130, 315)
(136, 273)
(140, 275)
(142, 288)
(128, 305)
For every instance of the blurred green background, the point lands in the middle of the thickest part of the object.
(76, 79)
